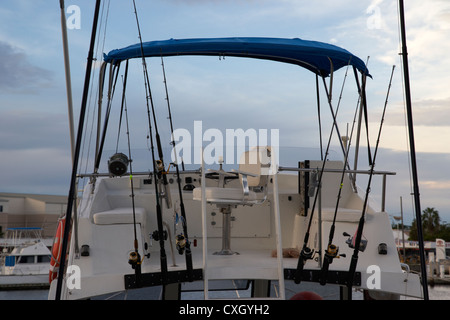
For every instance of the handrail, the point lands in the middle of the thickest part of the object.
(198, 171)
(335, 170)
(141, 173)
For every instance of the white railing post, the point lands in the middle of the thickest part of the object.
(204, 232)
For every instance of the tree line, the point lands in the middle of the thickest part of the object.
(432, 227)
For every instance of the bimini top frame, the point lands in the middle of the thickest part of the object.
(320, 58)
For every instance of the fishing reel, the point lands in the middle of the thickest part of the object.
(164, 189)
(134, 259)
(307, 254)
(331, 253)
(181, 243)
(160, 166)
(156, 237)
(351, 242)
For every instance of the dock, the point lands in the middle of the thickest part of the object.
(24, 282)
(24, 286)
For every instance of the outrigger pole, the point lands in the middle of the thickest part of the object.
(72, 191)
(412, 147)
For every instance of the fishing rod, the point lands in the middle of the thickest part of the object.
(332, 251)
(307, 253)
(412, 146)
(357, 242)
(72, 191)
(156, 165)
(183, 242)
(162, 174)
(134, 258)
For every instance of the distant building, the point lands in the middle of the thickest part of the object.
(31, 210)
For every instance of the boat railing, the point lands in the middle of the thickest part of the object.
(384, 175)
(198, 171)
(141, 173)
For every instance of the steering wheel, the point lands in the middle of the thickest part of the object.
(216, 174)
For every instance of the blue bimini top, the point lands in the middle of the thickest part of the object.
(318, 57)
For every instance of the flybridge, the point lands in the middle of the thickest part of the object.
(318, 57)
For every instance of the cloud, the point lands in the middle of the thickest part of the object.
(39, 170)
(434, 184)
(427, 112)
(437, 185)
(29, 129)
(17, 73)
(427, 31)
(35, 152)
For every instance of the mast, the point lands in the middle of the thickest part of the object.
(67, 71)
(416, 193)
(69, 103)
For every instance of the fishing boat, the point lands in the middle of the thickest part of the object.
(25, 261)
(258, 222)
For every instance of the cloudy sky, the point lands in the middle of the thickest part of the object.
(34, 130)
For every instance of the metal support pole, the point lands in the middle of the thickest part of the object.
(383, 194)
(68, 81)
(204, 233)
(277, 213)
(70, 109)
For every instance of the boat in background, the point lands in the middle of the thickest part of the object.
(25, 261)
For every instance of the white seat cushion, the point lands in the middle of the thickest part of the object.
(120, 216)
(216, 194)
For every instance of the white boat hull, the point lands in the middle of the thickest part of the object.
(253, 236)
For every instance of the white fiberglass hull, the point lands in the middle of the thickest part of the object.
(105, 224)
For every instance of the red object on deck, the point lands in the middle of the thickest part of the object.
(306, 295)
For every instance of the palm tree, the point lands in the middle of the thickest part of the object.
(430, 225)
(431, 220)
